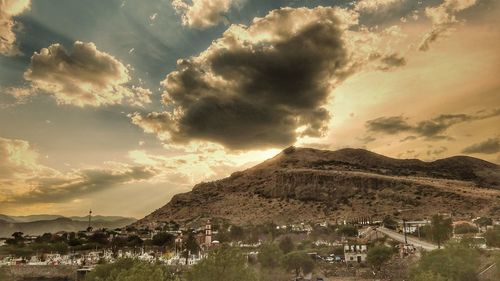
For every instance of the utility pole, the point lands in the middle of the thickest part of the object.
(90, 218)
(404, 231)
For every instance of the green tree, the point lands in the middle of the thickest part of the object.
(484, 221)
(237, 233)
(190, 246)
(492, 237)
(390, 223)
(348, 230)
(298, 262)
(271, 229)
(163, 239)
(378, 255)
(441, 229)
(134, 241)
(130, 270)
(286, 245)
(270, 255)
(223, 264)
(465, 228)
(454, 263)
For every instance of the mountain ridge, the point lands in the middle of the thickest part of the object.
(311, 184)
(56, 223)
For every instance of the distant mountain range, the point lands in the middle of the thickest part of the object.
(310, 185)
(39, 224)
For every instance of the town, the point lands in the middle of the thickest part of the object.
(356, 248)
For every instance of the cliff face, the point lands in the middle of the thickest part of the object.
(301, 184)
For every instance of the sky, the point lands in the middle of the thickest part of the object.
(117, 105)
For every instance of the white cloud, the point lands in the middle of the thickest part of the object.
(202, 14)
(8, 10)
(375, 5)
(83, 77)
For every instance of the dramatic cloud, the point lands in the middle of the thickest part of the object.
(18, 159)
(83, 77)
(443, 19)
(80, 183)
(24, 180)
(8, 10)
(375, 5)
(202, 13)
(489, 146)
(431, 129)
(389, 125)
(267, 84)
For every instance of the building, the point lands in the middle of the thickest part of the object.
(355, 253)
(208, 233)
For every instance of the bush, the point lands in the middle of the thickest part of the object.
(492, 237)
(348, 230)
(286, 245)
(130, 270)
(465, 228)
(454, 263)
(298, 262)
(224, 264)
(270, 256)
(378, 255)
(163, 239)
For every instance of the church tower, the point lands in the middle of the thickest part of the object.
(208, 234)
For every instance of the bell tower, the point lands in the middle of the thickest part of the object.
(208, 234)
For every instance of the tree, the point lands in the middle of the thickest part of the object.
(390, 223)
(348, 230)
(134, 241)
(99, 238)
(454, 263)
(286, 245)
(130, 270)
(378, 255)
(190, 246)
(441, 229)
(18, 238)
(237, 233)
(271, 230)
(163, 239)
(270, 255)
(484, 221)
(223, 264)
(298, 262)
(465, 228)
(492, 237)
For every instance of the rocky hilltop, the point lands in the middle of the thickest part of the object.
(303, 184)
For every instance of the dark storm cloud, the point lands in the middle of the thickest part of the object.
(431, 129)
(59, 189)
(392, 61)
(389, 125)
(256, 86)
(489, 146)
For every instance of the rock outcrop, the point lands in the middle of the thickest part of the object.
(302, 184)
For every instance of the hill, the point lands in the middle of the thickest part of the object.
(37, 227)
(303, 184)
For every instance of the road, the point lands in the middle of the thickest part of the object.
(417, 243)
